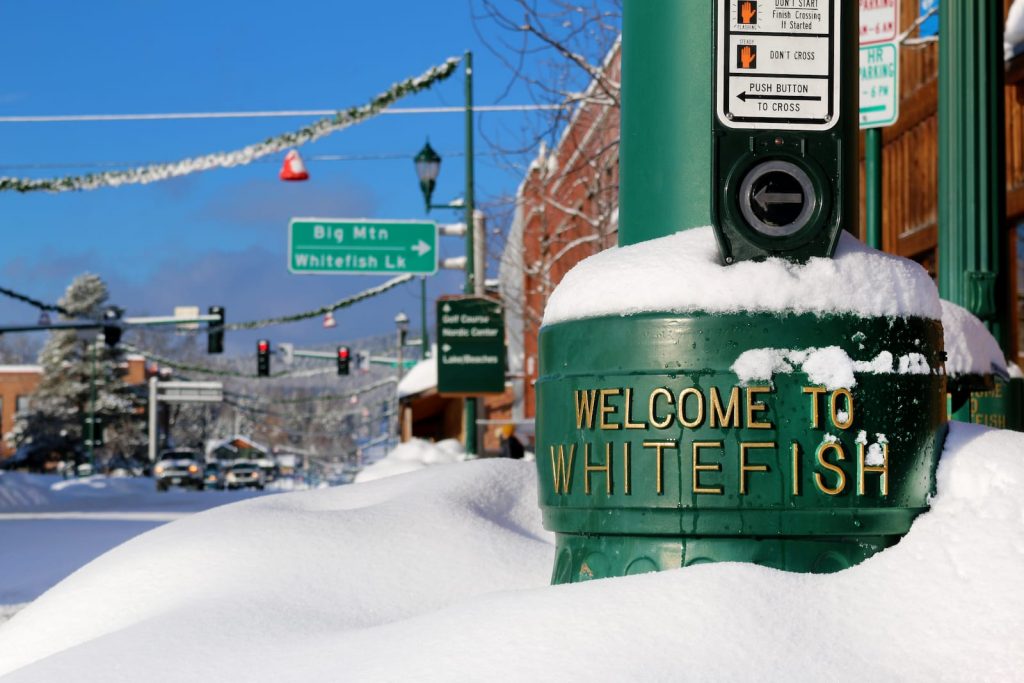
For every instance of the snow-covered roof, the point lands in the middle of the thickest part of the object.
(433, 575)
(230, 443)
(21, 369)
(682, 273)
(970, 347)
(421, 377)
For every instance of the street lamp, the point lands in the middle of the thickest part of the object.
(428, 167)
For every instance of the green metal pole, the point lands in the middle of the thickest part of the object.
(471, 284)
(91, 431)
(667, 85)
(972, 181)
(424, 339)
(873, 166)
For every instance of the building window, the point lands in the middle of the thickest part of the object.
(22, 404)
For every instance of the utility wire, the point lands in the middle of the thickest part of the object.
(287, 113)
(56, 308)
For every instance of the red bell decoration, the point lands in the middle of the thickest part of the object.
(293, 168)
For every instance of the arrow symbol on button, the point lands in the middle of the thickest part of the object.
(808, 98)
(421, 247)
(764, 198)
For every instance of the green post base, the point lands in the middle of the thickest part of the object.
(652, 455)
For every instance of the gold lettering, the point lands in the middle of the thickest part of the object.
(863, 468)
(589, 468)
(585, 403)
(627, 471)
(698, 468)
(744, 467)
(815, 393)
(796, 469)
(755, 407)
(561, 472)
(840, 455)
(660, 448)
(731, 414)
(608, 409)
(629, 412)
(697, 421)
(848, 422)
(652, 404)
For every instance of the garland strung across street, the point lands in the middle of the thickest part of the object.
(241, 157)
(329, 308)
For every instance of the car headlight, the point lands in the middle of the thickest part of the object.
(159, 469)
(193, 468)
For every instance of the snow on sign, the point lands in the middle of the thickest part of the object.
(777, 63)
(879, 21)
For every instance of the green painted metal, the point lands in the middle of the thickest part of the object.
(1002, 407)
(972, 159)
(327, 246)
(665, 147)
(873, 168)
(631, 518)
(472, 286)
(472, 357)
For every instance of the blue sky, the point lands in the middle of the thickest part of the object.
(220, 237)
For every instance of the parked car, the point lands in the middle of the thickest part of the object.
(243, 474)
(179, 468)
(213, 476)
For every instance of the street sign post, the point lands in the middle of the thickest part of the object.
(328, 246)
(879, 85)
(471, 344)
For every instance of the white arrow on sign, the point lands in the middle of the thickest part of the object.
(421, 247)
(447, 308)
(446, 348)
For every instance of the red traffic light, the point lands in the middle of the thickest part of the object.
(343, 352)
(263, 346)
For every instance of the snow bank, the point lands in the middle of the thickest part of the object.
(682, 273)
(441, 575)
(970, 347)
(411, 456)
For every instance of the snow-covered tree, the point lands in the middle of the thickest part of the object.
(76, 364)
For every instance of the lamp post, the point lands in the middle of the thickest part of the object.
(428, 167)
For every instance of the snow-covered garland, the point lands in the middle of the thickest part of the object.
(241, 157)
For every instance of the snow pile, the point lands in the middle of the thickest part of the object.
(411, 456)
(682, 273)
(970, 347)
(830, 367)
(420, 377)
(441, 575)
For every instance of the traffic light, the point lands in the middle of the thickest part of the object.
(344, 355)
(263, 358)
(112, 325)
(215, 331)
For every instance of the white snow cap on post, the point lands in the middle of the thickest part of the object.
(970, 347)
(683, 273)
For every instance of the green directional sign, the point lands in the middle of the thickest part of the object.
(330, 246)
(471, 346)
